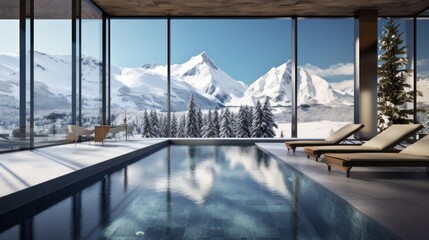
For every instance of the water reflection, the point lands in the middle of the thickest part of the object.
(127, 198)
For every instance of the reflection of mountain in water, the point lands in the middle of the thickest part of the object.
(195, 169)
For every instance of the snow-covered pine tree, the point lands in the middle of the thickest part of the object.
(200, 121)
(208, 131)
(268, 123)
(257, 121)
(192, 128)
(216, 123)
(161, 125)
(242, 129)
(392, 87)
(233, 124)
(146, 126)
(165, 127)
(225, 125)
(154, 121)
(182, 126)
(173, 132)
(249, 117)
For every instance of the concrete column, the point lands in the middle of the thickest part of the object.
(366, 72)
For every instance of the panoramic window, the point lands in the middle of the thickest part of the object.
(230, 78)
(422, 71)
(9, 77)
(325, 75)
(139, 75)
(52, 71)
(91, 65)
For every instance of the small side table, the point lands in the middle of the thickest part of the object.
(101, 133)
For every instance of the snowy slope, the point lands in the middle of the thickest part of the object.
(146, 88)
(202, 73)
(276, 84)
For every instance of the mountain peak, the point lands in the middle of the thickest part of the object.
(204, 58)
(150, 66)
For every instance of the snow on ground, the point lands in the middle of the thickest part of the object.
(321, 129)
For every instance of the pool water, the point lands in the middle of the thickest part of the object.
(194, 192)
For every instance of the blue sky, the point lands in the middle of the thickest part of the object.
(244, 48)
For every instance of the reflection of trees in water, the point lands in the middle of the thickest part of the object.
(192, 161)
(261, 157)
(295, 206)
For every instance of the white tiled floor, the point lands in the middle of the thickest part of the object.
(398, 198)
(19, 170)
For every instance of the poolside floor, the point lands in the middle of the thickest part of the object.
(398, 198)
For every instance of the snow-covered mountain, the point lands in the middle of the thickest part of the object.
(276, 84)
(202, 73)
(145, 87)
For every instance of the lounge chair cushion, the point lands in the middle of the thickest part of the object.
(343, 132)
(379, 157)
(391, 135)
(419, 148)
(341, 149)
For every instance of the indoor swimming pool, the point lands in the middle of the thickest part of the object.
(195, 192)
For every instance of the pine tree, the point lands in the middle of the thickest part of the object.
(242, 129)
(208, 131)
(225, 125)
(146, 126)
(165, 127)
(233, 124)
(200, 121)
(216, 123)
(192, 128)
(154, 121)
(268, 123)
(182, 126)
(392, 89)
(249, 117)
(257, 121)
(173, 132)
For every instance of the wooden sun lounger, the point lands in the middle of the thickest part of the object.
(415, 155)
(385, 141)
(336, 138)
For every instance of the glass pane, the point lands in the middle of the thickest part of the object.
(325, 76)
(226, 66)
(52, 71)
(422, 71)
(9, 77)
(91, 65)
(139, 73)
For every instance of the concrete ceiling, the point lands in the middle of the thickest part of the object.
(255, 8)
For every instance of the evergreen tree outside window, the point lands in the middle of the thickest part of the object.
(225, 125)
(268, 124)
(192, 126)
(173, 132)
(257, 121)
(146, 127)
(393, 92)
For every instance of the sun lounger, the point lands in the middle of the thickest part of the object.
(79, 131)
(385, 141)
(415, 155)
(336, 138)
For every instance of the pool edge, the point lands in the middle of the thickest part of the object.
(28, 195)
